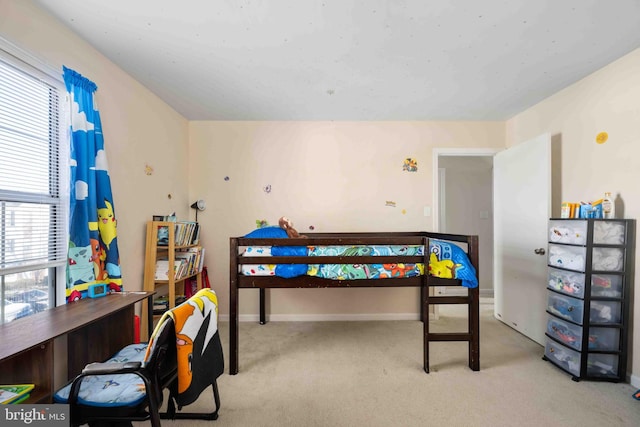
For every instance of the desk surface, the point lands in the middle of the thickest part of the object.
(25, 333)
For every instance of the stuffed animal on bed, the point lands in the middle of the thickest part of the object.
(286, 224)
(445, 268)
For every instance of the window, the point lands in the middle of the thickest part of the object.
(33, 199)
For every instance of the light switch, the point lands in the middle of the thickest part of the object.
(484, 214)
(427, 211)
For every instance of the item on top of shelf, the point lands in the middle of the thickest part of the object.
(608, 206)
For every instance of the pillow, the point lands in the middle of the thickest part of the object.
(271, 232)
(291, 270)
(289, 251)
(464, 270)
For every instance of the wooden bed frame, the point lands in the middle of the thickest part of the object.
(239, 281)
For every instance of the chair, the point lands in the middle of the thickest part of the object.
(184, 355)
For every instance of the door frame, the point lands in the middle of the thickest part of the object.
(444, 152)
(438, 188)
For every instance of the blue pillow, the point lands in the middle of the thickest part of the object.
(291, 270)
(289, 251)
(271, 232)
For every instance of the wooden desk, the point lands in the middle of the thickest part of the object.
(95, 329)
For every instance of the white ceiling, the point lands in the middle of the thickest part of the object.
(355, 59)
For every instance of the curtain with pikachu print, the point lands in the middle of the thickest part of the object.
(93, 244)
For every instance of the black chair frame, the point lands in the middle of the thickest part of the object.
(158, 374)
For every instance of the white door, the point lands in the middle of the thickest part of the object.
(522, 206)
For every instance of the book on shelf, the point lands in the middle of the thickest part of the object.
(186, 233)
(162, 269)
(191, 260)
(187, 262)
(163, 232)
(15, 393)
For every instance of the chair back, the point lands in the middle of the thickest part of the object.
(161, 358)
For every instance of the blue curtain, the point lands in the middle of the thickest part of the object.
(93, 244)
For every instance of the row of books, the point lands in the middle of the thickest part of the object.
(15, 393)
(186, 233)
(188, 262)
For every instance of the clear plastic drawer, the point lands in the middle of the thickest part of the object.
(604, 339)
(567, 282)
(606, 285)
(602, 365)
(563, 356)
(608, 233)
(605, 312)
(566, 307)
(565, 332)
(607, 259)
(571, 257)
(573, 232)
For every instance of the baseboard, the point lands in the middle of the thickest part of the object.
(634, 380)
(326, 317)
(458, 291)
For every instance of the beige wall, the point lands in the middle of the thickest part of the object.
(138, 127)
(606, 101)
(335, 176)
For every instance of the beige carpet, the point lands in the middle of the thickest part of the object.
(370, 374)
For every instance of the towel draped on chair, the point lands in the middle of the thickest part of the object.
(199, 350)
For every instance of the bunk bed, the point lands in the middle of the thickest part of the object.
(252, 262)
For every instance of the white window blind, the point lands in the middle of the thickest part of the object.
(32, 203)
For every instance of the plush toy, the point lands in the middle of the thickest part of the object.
(286, 224)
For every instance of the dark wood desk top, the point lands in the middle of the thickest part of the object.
(27, 332)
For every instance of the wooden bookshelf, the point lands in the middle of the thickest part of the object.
(180, 237)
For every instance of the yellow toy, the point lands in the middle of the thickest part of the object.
(445, 268)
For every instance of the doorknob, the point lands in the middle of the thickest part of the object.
(539, 251)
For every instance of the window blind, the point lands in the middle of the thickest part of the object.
(32, 201)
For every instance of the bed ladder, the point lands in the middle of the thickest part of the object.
(472, 300)
(472, 335)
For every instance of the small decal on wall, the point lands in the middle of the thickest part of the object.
(404, 211)
(602, 137)
(261, 223)
(390, 204)
(267, 189)
(410, 165)
(226, 178)
(311, 227)
(148, 170)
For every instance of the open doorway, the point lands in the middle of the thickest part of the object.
(463, 203)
